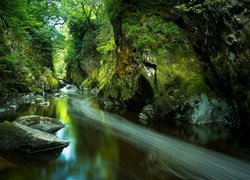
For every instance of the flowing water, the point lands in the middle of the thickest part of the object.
(108, 146)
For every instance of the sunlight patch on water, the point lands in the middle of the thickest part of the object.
(62, 111)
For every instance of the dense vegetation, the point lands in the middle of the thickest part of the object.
(173, 58)
(28, 38)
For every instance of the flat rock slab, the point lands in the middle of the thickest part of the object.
(17, 137)
(41, 123)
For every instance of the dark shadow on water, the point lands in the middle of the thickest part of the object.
(24, 159)
(101, 152)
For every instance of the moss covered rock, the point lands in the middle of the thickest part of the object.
(151, 60)
(48, 80)
(17, 137)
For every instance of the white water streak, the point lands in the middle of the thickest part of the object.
(194, 161)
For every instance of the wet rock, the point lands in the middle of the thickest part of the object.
(44, 103)
(108, 104)
(160, 110)
(41, 123)
(14, 103)
(94, 91)
(146, 115)
(17, 137)
(57, 95)
(69, 89)
(62, 83)
(163, 107)
(220, 37)
(38, 98)
(205, 110)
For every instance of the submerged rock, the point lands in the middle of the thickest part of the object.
(41, 123)
(17, 137)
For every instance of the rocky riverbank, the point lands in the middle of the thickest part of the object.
(31, 134)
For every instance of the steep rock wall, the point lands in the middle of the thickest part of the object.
(220, 36)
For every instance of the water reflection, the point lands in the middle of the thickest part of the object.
(179, 158)
(62, 110)
(23, 159)
(98, 151)
(106, 146)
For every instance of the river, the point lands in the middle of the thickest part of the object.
(105, 145)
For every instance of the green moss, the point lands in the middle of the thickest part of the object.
(146, 30)
(150, 45)
(49, 79)
(198, 6)
(179, 74)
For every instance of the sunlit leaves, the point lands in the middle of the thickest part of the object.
(105, 38)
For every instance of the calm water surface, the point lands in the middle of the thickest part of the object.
(106, 146)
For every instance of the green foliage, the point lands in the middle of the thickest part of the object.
(150, 31)
(48, 78)
(113, 7)
(14, 13)
(27, 41)
(198, 6)
(105, 38)
(92, 38)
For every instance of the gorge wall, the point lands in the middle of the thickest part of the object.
(173, 60)
(26, 49)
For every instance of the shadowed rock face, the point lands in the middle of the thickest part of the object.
(220, 36)
(17, 137)
(41, 123)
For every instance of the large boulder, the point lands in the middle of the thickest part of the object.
(17, 137)
(41, 123)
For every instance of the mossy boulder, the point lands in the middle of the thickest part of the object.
(17, 137)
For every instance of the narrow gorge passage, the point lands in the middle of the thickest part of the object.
(124, 89)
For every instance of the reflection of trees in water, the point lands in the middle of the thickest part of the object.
(95, 153)
(91, 154)
(61, 110)
(36, 109)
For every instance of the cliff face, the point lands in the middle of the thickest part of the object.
(152, 61)
(220, 36)
(188, 65)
